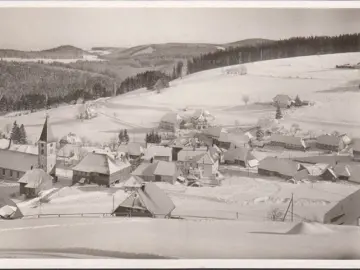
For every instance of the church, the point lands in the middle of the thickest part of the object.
(14, 164)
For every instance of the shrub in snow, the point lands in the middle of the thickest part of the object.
(275, 214)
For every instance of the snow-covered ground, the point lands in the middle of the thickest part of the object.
(184, 239)
(217, 92)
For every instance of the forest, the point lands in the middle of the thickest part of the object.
(293, 47)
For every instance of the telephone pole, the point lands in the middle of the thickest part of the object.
(292, 207)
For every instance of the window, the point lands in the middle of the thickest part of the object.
(11, 173)
(18, 174)
(3, 171)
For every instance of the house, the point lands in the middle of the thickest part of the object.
(201, 119)
(289, 142)
(170, 122)
(283, 101)
(13, 164)
(345, 212)
(133, 149)
(158, 171)
(133, 183)
(283, 168)
(158, 153)
(356, 149)
(239, 156)
(9, 209)
(197, 159)
(101, 169)
(34, 181)
(355, 174)
(232, 140)
(330, 143)
(71, 154)
(342, 171)
(70, 138)
(147, 201)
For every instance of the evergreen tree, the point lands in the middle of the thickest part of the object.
(121, 136)
(278, 113)
(15, 133)
(23, 139)
(126, 136)
(259, 134)
(298, 102)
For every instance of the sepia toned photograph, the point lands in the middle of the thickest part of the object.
(176, 133)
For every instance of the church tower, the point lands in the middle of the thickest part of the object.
(47, 149)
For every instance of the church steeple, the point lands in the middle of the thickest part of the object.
(46, 133)
(47, 149)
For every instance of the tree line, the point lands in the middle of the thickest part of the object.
(293, 47)
(18, 134)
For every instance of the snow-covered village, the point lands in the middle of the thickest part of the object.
(182, 150)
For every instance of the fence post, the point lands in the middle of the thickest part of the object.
(237, 215)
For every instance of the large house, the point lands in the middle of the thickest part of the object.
(283, 168)
(189, 159)
(330, 142)
(170, 122)
(146, 201)
(14, 164)
(101, 169)
(34, 181)
(289, 142)
(283, 101)
(157, 171)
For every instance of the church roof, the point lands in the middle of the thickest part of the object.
(46, 133)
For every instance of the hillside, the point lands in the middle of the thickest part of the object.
(221, 94)
(248, 42)
(61, 52)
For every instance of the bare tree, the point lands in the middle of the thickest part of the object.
(275, 214)
(246, 99)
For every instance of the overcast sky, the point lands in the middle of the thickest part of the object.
(41, 28)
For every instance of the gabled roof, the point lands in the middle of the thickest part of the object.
(25, 148)
(35, 178)
(100, 163)
(234, 138)
(156, 168)
(289, 140)
(133, 182)
(204, 159)
(342, 169)
(187, 155)
(46, 133)
(282, 166)
(301, 175)
(328, 140)
(165, 168)
(5, 204)
(17, 161)
(158, 151)
(151, 198)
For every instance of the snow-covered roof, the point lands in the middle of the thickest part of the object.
(17, 161)
(328, 140)
(25, 148)
(155, 150)
(8, 208)
(71, 138)
(156, 168)
(101, 163)
(171, 117)
(288, 140)
(35, 178)
(282, 166)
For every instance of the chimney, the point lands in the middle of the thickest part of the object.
(143, 186)
(31, 167)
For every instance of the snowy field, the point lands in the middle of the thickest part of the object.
(218, 92)
(183, 239)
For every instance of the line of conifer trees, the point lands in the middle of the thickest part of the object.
(293, 47)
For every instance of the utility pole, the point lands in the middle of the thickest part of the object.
(292, 207)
